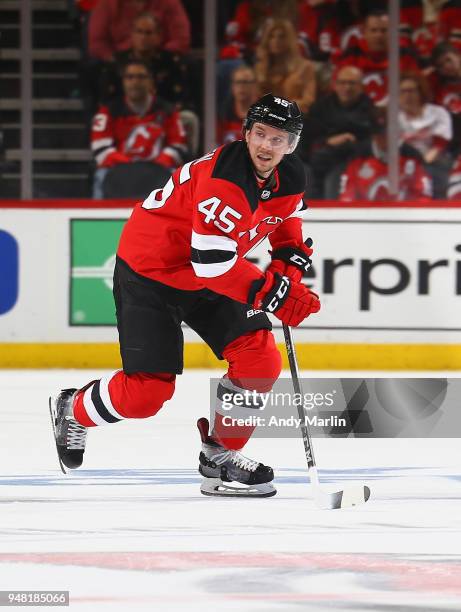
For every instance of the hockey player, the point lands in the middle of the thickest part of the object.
(181, 258)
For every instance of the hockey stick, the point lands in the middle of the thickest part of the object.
(350, 496)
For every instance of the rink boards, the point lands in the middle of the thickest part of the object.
(389, 278)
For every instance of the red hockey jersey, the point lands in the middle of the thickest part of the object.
(449, 22)
(229, 126)
(194, 233)
(120, 135)
(447, 92)
(365, 178)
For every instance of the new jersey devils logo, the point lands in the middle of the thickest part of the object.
(144, 142)
(253, 236)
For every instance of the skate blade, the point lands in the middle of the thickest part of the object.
(51, 404)
(216, 487)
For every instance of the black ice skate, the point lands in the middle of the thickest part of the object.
(70, 436)
(220, 466)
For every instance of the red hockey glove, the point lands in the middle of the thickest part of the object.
(289, 301)
(165, 160)
(114, 159)
(292, 260)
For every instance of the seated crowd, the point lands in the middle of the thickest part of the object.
(136, 81)
(330, 56)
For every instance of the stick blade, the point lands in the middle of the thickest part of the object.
(349, 497)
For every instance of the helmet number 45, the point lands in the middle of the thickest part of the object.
(282, 101)
(223, 220)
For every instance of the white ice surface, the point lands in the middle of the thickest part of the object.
(131, 531)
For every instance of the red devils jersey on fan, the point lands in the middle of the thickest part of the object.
(320, 27)
(450, 22)
(194, 233)
(447, 93)
(229, 129)
(374, 67)
(365, 178)
(121, 135)
(229, 125)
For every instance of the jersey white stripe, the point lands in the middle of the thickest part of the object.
(184, 174)
(213, 269)
(104, 393)
(454, 190)
(203, 242)
(101, 142)
(100, 157)
(455, 177)
(172, 153)
(247, 405)
(175, 152)
(91, 409)
(298, 213)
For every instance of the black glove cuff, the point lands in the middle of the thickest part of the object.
(293, 257)
(277, 295)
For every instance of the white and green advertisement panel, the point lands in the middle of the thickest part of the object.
(93, 247)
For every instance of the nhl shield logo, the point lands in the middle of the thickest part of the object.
(265, 194)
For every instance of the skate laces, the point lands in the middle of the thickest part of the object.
(239, 460)
(76, 435)
(245, 463)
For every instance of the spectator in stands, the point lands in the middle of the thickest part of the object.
(366, 177)
(449, 22)
(111, 24)
(414, 32)
(244, 91)
(168, 68)
(445, 80)
(280, 67)
(370, 54)
(245, 30)
(315, 21)
(319, 28)
(138, 127)
(426, 127)
(445, 85)
(335, 128)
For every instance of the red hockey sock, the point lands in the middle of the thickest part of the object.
(254, 364)
(122, 396)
